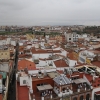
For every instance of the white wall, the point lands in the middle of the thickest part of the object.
(8, 41)
(13, 43)
(28, 46)
(36, 71)
(72, 63)
(37, 56)
(2, 42)
(83, 57)
(20, 44)
(21, 80)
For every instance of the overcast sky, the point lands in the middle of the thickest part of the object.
(49, 12)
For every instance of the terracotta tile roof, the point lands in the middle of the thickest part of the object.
(34, 51)
(71, 56)
(96, 63)
(25, 63)
(89, 77)
(24, 56)
(60, 63)
(23, 92)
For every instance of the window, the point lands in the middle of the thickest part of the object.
(81, 97)
(88, 97)
(24, 81)
(83, 60)
(63, 90)
(69, 38)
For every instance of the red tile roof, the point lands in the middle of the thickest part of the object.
(89, 77)
(25, 63)
(23, 92)
(71, 56)
(95, 82)
(96, 63)
(60, 63)
(34, 51)
(24, 56)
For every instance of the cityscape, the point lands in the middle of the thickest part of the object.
(49, 50)
(50, 62)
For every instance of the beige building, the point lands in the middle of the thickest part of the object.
(29, 37)
(5, 54)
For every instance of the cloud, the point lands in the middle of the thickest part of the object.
(49, 12)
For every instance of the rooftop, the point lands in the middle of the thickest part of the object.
(60, 63)
(61, 80)
(53, 74)
(96, 63)
(22, 64)
(35, 78)
(37, 51)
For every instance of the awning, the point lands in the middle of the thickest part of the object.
(78, 81)
(47, 87)
(44, 87)
(40, 88)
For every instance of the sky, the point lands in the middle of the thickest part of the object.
(49, 12)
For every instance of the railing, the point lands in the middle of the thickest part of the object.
(83, 89)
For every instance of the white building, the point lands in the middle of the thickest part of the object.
(71, 37)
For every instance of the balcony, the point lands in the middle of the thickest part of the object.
(81, 88)
(63, 93)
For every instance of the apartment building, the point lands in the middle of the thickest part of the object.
(4, 54)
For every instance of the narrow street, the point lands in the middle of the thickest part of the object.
(12, 81)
